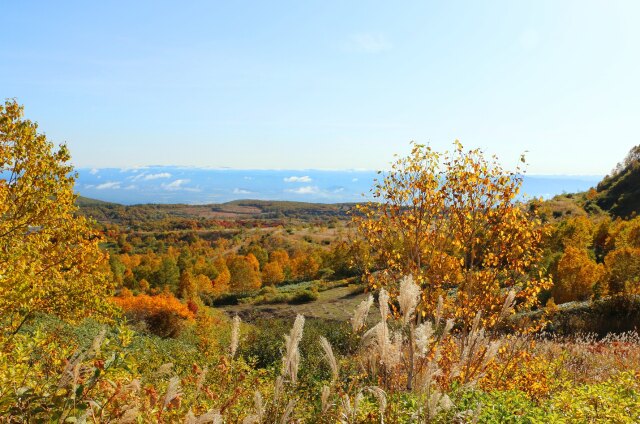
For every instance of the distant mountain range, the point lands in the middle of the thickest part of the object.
(166, 184)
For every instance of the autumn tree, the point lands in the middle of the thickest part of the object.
(221, 284)
(623, 270)
(576, 276)
(451, 220)
(253, 261)
(163, 314)
(168, 274)
(258, 252)
(304, 267)
(204, 284)
(245, 276)
(50, 261)
(272, 274)
(188, 286)
(575, 232)
(600, 236)
(281, 257)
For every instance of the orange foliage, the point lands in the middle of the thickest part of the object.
(280, 256)
(153, 304)
(253, 261)
(163, 315)
(304, 267)
(223, 280)
(272, 273)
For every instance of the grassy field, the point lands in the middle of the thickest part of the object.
(335, 304)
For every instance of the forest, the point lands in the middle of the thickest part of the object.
(447, 298)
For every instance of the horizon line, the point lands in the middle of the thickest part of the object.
(213, 168)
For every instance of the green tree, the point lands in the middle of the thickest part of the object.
(259, 252)
(168, 275)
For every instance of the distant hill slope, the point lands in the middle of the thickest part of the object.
(619, 193)
(147, 216)
(82, 201)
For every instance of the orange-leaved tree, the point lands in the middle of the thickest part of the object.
(272, 274)
(163, 314)
(50, 261)
(452, 221)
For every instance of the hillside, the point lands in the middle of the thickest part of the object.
(84, 202)
(619, 193)
(238, 213)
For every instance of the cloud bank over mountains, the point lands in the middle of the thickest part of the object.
(166, 184)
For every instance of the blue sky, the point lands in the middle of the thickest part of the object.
(170, 184)
(327, 84)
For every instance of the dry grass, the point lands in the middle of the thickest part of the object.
(586, 359)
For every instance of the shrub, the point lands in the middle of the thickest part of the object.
(322, 285)
(303, 296)
(610, 315)
(224, 299)
(615, 400)
(163, 314)
(263, 344)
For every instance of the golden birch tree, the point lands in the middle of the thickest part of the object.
(50, 261)
(451, 220)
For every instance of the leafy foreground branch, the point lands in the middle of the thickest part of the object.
(400, 370)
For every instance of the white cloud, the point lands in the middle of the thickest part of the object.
(94, 171)
(305, 190)
(133, 169)
(240, 191)
(130, 187)
(294, 179)
(369, 43)
(149, 177)
(175, 185)
(179, 185)
(113, 185)
(354, 180)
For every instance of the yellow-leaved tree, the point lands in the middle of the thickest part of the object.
(576, 276)
(50, 261)
(451, 220)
